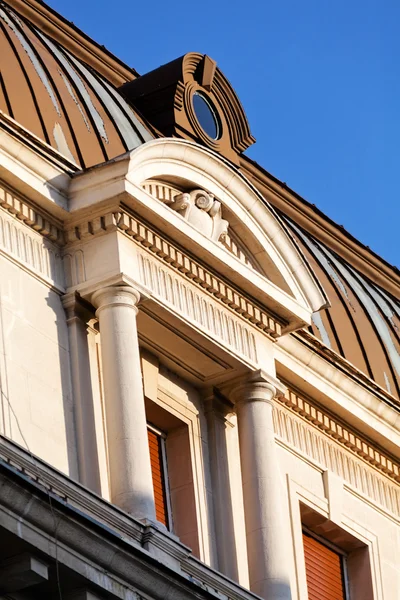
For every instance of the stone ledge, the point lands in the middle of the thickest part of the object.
(91, 533)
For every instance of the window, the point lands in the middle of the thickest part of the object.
(325, 570)
(206, 115)
(171, 458)
(158, 469)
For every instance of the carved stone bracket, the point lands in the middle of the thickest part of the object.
(203, 212)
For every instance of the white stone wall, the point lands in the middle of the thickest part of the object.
(36, 400)
(347, 511)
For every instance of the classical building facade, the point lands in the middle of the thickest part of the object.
(199, 371)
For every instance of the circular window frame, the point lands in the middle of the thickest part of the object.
(213, 112)
(190, 91)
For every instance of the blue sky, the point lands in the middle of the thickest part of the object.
(319, 82)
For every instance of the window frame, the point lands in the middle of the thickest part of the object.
(162, 436)
(342, 553)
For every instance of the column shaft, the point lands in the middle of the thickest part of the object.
(262, 495)
(128, 450)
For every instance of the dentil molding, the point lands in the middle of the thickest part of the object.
(300, 424)
(27, 238)
(157, 245)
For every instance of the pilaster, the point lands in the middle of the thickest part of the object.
(226, 482)
(79, 313)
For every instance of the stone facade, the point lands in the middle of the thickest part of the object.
(166, 287)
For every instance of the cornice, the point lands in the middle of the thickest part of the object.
(25, 212)
(336, 359)
(176, 258)
(322, 452)
(31, 239)
(355, 399)
(34, 169)
(81, 45)
(324, 229)
(341, 433)
(42, 502)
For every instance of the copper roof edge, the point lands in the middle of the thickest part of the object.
(314, 221)
(309, 339)
(31, 140)
(70, 36)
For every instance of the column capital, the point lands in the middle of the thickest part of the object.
(116, 295)
(77, 308)
(216, 403)
(257, 386)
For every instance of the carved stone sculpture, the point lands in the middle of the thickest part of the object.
(203, 212)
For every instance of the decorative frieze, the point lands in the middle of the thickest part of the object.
(25, 213)
(338, 449)
(342, 434)
(197, 306)
(180, 261)
(30, 249)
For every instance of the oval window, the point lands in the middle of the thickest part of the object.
(206, 115)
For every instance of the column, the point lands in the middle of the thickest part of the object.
(267, 547)
(78, 315)
(128, 451)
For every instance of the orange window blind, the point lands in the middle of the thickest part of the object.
(324, 571)
(157, 470)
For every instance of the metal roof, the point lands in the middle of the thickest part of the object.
(67, 104)
(363, 323)
(61, 100)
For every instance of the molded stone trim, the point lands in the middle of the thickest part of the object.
(167, 194)
(122, 179)
(89, 527)
(26, 247)
(31, 217)
(341, 433)
(196, 307)
(309, 441)
(177, 259)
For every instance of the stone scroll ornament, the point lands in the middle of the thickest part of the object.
(203, 212)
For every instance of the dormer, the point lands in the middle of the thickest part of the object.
(191, 98)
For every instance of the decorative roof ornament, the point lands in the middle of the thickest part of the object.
(203, 212)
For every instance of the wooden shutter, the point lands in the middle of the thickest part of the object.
(324, 571)
(158, 476)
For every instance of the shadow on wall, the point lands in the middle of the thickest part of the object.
(36, 400)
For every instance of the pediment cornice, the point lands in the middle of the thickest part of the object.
(297, 293)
